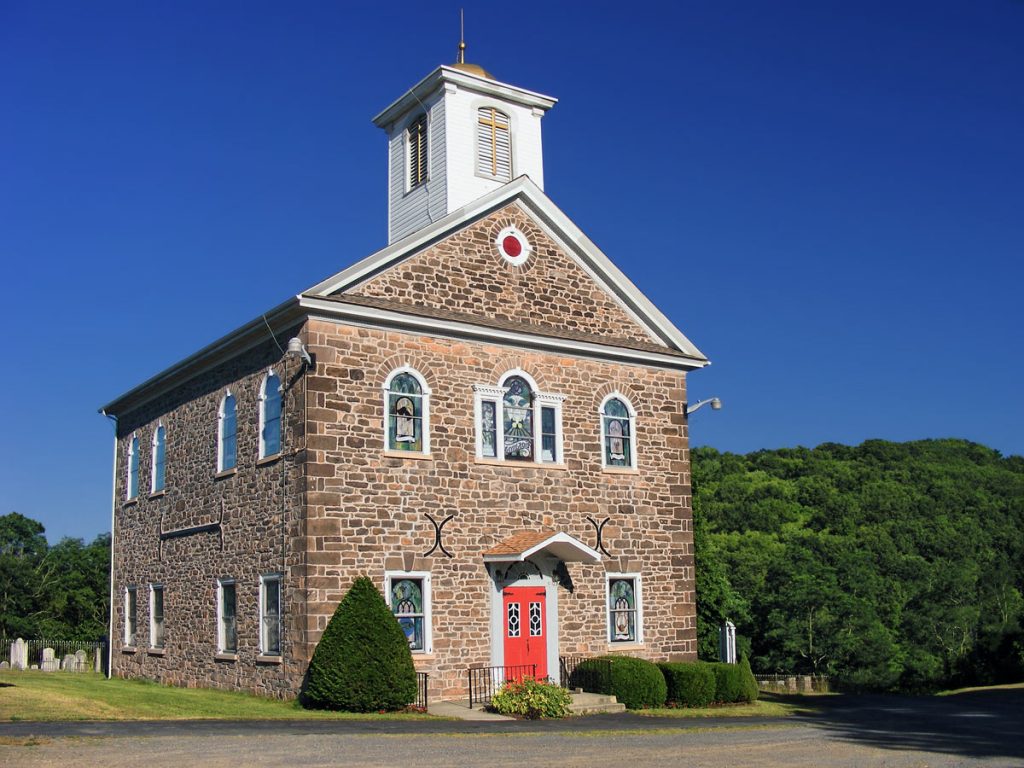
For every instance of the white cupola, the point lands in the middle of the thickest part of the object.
(455, 136)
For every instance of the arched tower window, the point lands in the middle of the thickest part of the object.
(270, 415)
(227, 427)
(493, 144)
(416, 151)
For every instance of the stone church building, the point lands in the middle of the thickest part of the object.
(486, 417)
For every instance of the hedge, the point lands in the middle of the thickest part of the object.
(689, 684)
(636, 683)
(734, 682)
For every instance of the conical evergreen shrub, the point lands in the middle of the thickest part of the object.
(362, 663)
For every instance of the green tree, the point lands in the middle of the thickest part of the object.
(22, 547)
(362, 662)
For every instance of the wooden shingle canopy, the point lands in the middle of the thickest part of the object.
(526, 544)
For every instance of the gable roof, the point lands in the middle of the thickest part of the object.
(560, 227)
(328, 300)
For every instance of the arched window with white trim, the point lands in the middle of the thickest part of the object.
(407, 405)
(270, 415)
(618, 433)
(516, 422)
(132, 484)
(159, 459)
(227, 434)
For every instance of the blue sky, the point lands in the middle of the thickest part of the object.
(827, 198)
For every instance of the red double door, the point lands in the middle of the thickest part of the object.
(525, 630)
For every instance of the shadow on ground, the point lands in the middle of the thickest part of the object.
(986, 723)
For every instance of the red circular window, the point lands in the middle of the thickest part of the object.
(511, 246)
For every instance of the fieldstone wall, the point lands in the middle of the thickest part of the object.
(465, 273)
(367, 509)
(257, 509)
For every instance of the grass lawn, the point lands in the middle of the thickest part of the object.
(37, 696)
(976, 689)
(764, 707)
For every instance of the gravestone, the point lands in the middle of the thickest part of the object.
(5, 664)
(727, 643)
(791, 684)
(81, 661)
(34, 666)
(97, 661)
(50, 663)
(68, 665)
(806, 684)
(19, 654)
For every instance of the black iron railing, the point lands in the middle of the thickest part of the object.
(61, 648)
(421, 690)
(593, 677)
(484, 682)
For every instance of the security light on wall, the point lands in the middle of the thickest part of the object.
(716, 405)
(297, 349)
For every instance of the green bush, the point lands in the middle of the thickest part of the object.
(749, 681)
(734, 682)
(362, 663)
(532, 699)
(689, 684)
(637, 683)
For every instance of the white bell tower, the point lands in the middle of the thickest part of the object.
(455, 136)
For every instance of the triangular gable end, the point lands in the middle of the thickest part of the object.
(456, 267)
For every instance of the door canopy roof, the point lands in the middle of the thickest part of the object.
(526, 544)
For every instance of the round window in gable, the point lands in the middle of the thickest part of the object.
(513, 246)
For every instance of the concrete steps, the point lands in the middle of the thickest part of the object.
(594, 704)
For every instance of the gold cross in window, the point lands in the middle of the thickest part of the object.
(492, 123)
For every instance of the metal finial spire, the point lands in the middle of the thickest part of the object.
(461, 58)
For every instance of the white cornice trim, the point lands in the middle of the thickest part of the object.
(444, 74)
(376, 317)
(566, 547)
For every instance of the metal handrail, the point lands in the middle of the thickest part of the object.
(485, 681)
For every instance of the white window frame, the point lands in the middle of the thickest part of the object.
(496, 394)
(220, 431)
(221, 633)
(153, 589)
(263, 413)
(152, 469)
(266, 579)
(638, 595)
(424, 576)
(424, 407)
(632, 431)
(133, 455)
(131, 595)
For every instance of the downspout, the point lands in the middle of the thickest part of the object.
(113, 508)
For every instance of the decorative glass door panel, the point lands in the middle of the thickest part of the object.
(525, 630)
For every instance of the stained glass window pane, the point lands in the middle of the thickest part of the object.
(405, 422)
(622, 610)
(488, 429)
(616, 407)
(271, 415)
(518, 420)
(407, 605)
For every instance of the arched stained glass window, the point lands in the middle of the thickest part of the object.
(227, 429)
(159, 458)
(270, 416)
(617, 428)
(622, 610)
(405, 414)
(407, 605)
(517, 422)
(132, 491)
